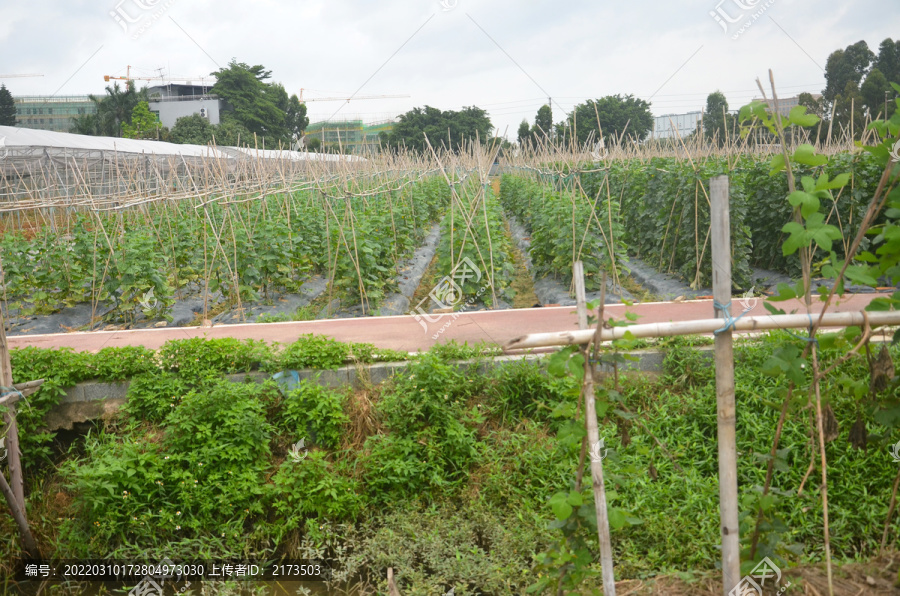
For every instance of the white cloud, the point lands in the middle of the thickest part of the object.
(572, 51)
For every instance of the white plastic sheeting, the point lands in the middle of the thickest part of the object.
(40, 168)
(17, 141)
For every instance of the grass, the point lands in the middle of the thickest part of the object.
(442, 473)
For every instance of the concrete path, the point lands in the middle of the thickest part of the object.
(407, 334)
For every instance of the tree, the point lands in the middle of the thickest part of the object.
(113, 111)
(192, 130)
(255, 105)
(813, 105)
(543, 124)
(847, 111)
(716, 120)
(144, 123)
(524, 134)
(232, 134)
(448, 129)
(86, 124)
(7, 107)
(314, 143)
(876, 93)
(295, 118)
(888, 61)
(846, 66)
(612, 115)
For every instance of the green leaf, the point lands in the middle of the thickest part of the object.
(560, 506)
(860, 274)
(785, 292)
(575, 499)
(617, 518)
(799, 117)
(838, 181)
(806, 154)
(777, 164)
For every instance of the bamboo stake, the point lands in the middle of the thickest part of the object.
(725, 402)
(9, 420)
(593, 435)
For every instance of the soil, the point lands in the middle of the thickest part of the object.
(876, 577)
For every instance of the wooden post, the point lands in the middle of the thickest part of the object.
(720, 223)
(18, 514)
(9, 420)
(593, 435)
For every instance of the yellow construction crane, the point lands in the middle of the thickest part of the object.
(347, 99)
(128, 77)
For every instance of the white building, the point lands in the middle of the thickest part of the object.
(171, 102)
(665, 126)
(786, 103)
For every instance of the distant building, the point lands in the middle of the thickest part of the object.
(665, 127)
(786, 103)
(171, 102)
(352, 135)
(56, 113)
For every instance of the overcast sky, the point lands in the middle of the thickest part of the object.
(504, 56)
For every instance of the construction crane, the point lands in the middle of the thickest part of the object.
(15, 76)
(128, 77)
(347, 99)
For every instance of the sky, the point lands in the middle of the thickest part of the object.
(503, 56)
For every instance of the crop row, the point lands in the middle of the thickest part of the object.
(565, 226)
(243, 250)
(659, 209)
(475, 247)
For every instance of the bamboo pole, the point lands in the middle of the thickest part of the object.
(580, 298)
(725, 403)
(14, 490)
(593, 435)
(704, 326)
(18, 514)
(9, 420)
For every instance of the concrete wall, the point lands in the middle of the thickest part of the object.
(95, 400)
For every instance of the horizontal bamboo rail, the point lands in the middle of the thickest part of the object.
(701, 326)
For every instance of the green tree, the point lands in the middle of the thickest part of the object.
(846, 66)
(888, 60)
(524, 134)
(144, 123)
(86, 124)
(612, 115)
(257, 106)
(813, 105)
(448, 129)
(543, 124)
(847, 111)
(7, 107)
(877, 94)
(315, 143)
(295, 118)
(230, 133)
(193, 130)
(718, 124)
(113, 110)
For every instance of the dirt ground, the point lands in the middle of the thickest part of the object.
(876, 577)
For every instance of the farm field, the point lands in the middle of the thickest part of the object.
(316, 253)
(458, 472)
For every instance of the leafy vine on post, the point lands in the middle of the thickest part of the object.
(812, 237)
(568, 562)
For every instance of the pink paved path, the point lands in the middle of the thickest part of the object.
(405, 333)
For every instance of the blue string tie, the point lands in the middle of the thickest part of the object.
(726, 314)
